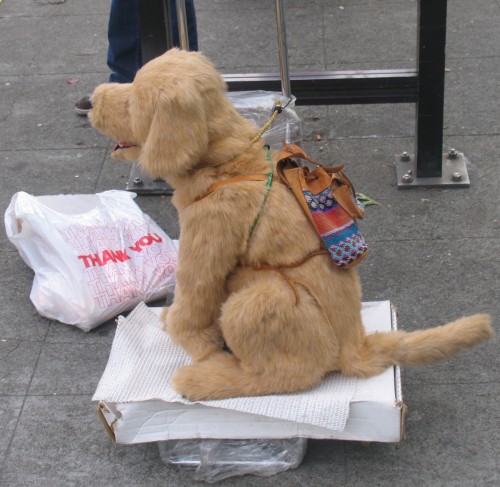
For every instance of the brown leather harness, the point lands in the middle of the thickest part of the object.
(264, 266)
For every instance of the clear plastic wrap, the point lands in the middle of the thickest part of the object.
(257, 106)
(215, 460)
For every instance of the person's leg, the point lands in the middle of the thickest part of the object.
(124, 50)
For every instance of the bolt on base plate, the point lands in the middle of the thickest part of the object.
(140, 183)
(454, 172)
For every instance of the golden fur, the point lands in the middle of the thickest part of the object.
(183, 129)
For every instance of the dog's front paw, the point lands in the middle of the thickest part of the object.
(218, 377)
(187, 382)
(202, 381)
(201, 347)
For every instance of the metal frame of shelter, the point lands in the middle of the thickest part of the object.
(424, 86)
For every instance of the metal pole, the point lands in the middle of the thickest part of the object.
(431, 64)
(167, 14)
(180, 5)
(283, 51)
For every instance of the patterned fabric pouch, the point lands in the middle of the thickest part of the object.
(328, 198)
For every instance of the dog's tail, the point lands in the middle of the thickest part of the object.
(385, 349)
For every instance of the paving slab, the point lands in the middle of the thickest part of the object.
(19, 319)
(369, 121)
(27, 55)
(58, 441)
(449, 442)
(432, 251)
(429, 283)
(10, 409)
(63, 333)
(37, 112)
(420, 213)
(18, 359)
(472, 29)
(256, 35)
(69, 368)
(476, 113)
(384, 32)
(49, 8)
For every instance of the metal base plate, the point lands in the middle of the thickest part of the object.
(140, 183)
(454, 172)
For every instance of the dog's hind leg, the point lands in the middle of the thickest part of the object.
(222, 376)
(277, 345)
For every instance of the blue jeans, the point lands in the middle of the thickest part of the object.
(124, 50)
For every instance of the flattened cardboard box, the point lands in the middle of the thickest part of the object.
(376, 411)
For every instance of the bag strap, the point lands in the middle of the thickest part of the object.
(293, 178)
(285, 162)
(299, 178)
(293, 150)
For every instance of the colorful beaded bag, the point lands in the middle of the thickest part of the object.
(328, 198)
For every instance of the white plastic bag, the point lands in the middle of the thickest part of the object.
(94, 256)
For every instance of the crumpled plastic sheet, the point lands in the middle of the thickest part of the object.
(257, 106)
(214, 460)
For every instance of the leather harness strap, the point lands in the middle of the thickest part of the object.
(265, 266)
(270, 267)
(236, 179)
(279, 269)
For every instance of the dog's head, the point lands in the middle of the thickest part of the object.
(166, 119)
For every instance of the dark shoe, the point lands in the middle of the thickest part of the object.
(83, 106)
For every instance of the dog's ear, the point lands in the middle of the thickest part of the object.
(177, 130)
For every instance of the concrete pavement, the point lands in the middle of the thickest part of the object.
(433, 252)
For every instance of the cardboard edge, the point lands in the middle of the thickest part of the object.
(102, 411)
(398, 381)
(109, 415)
(404, 412)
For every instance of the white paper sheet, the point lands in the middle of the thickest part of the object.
(143, 359)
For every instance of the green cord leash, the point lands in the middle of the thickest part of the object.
(278, 108)
(268, 189)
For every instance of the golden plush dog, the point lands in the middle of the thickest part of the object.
(287, 326)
